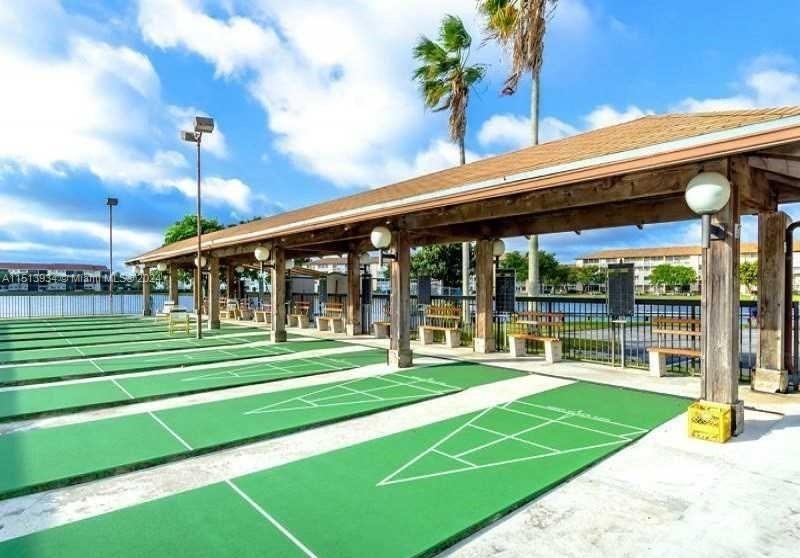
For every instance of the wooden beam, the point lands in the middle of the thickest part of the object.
(778, 165)
(353, 316)
(770, 374)
(147, 302)
(484, 334)
(172, 290)
(213, 293)
(755, 194)
(278, 295)
(400, 302)
(719, 362)
(620, 214)
(669, 182)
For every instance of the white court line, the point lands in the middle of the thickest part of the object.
(125, 391)
(513, 436)
(579, 413)
(501, 463)
(271, 519)
(603, 432)
(434, 447)
(456, 457)
(171, 431)
(621, 439)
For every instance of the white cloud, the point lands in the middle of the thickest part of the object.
(606, 115)
(769, 82)
(218, 191)
(79, 103)
(231, 46)
(341, 104)
(439, 154)
(30, 219)
(514, 131)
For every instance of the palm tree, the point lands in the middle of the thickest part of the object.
(519, 26)
(445, 79)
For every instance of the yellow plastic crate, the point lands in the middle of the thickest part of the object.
(710, 421)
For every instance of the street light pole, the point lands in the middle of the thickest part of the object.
(199, 248)
(202, 124)
(111, 202)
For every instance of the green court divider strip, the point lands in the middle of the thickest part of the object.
(78, 327)
(88, 330)
(25, 325)
(180, 341)
(52, 399)
(48, 372)
(50, 457)
(113, 337)
(403, 495)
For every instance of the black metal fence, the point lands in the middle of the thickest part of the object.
(59, 305)
(589, 333)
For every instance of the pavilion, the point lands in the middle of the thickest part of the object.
(629, 174)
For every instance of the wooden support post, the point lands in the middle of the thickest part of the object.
(278, 294)
(719, 361)
(400, 302)
(770, 374)
(353, 313)
(484, 311)
(213, 292)
(173, 283)
(147, 302)
(229, 281)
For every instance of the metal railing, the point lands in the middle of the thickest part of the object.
(588, 333)
(66, 305)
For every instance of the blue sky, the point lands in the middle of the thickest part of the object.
(314, 100)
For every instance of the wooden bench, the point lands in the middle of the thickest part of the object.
(545, 327)
(441, 317)
(230, 311)
(168, 305)
(299, 315)
(666, 329)
(178, 320)
(332, 318)
(381, 329)
(263, 314)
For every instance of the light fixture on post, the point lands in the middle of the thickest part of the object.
(262, 254)
(706, 194)
(202, 125)
(111, 203)
(381, 238)
(498, 249)
(161, 266)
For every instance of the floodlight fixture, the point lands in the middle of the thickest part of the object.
(203, 124)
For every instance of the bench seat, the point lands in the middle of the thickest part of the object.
(381, 329)
(658, 358)
(452, 335)
(552, 345)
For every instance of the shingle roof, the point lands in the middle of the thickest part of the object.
(623, 138)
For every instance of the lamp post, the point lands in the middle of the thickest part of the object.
(202, 125)
(111, 203)
(498, 249)
(706, 194)
(381, 238)
(262, 254)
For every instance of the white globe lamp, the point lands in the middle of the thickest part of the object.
(162, 267)
(239, 269)
(381, 237)
(706, 194)
(262, 253)
(203, 261)
(498, 248)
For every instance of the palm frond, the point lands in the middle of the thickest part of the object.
(453, 35)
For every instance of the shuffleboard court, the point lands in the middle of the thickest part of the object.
(413, 494)
(22, 403)
(114, 337)
(12, 375)
(130, 347)
(44, 325)
(88, 330)
(44, 458)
